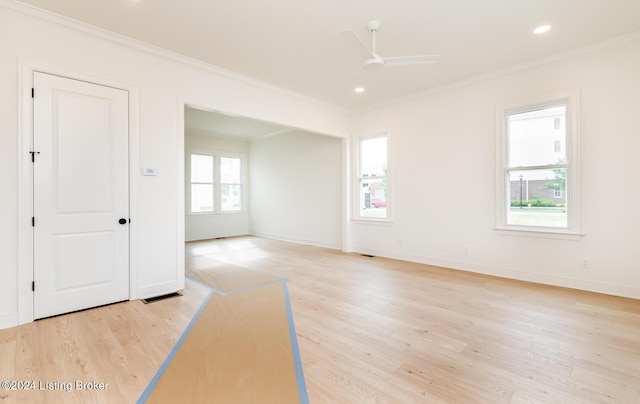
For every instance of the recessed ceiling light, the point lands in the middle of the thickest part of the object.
(542, 29)
(359, 90)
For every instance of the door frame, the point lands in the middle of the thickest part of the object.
(26, 69)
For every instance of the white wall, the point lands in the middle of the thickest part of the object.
(442, 176)
(164, 83)
(296, 188)
(227, 224)
(442, 162)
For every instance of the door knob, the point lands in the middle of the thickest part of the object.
(122, 221)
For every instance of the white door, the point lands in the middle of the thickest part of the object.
(81, 184)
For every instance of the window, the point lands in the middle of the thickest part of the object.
(202, 186)
(537, 166)
(215, 183)
(557, 193)
(372, 178)
(230, 187)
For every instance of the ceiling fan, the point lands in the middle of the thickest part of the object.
(375, 61)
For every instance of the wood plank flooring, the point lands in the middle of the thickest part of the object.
(369, 330)
(381, 330)
(121, 345)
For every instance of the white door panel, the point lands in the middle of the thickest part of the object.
(83, 156)
(81, 252)
(74, 251)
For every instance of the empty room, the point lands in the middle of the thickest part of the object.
(320, 202)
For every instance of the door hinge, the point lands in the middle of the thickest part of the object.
(33, 92)
(33, 221)
(33, 286)
(33, 155)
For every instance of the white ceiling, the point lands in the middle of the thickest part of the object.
(295, 43)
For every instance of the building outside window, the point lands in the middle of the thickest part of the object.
(372, 178)
(537, 163)
(557, 193)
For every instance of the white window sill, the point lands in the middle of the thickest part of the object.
(380, 222)
(540, 233)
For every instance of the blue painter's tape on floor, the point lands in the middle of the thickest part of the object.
(147, 392)
(206, 286)
(302, 386)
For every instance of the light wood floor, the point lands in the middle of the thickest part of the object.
(369, 330)
(123, 344)
(381, 330)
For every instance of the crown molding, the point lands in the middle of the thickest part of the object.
(27, 10)
(594, 47)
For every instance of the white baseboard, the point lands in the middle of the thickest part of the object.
(214, 236)
(8, 321)
(316, 243)
(545, 279)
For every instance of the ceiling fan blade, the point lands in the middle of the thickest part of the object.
(351, 37)
(350, 75)
(411, 60)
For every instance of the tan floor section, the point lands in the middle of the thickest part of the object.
(224, 277)
(238, 351)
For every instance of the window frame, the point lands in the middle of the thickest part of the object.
(240, 184)
(572, 101)
(359, 177)
(217, 182)
(190, 182)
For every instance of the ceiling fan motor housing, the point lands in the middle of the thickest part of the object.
(374, 63)
(373, 25)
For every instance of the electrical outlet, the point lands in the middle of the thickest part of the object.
(585, 263)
